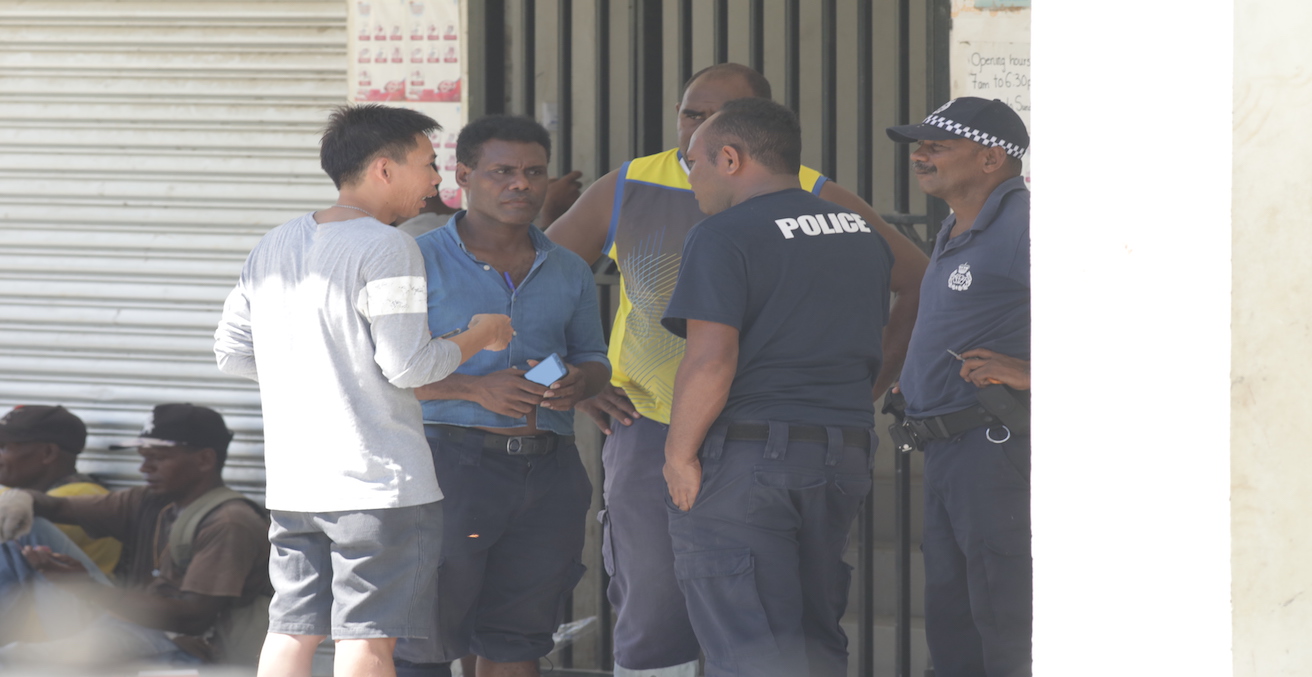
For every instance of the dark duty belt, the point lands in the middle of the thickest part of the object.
(852, 437)
(514, 445)
(947, 426)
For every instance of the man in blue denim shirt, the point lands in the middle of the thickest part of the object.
(516, 493)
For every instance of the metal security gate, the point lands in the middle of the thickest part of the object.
(605, 77)
(144, 148)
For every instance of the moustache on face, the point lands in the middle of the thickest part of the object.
(922, 168)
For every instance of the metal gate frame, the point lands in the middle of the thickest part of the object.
(647, 46)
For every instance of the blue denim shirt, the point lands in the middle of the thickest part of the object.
(554, 310)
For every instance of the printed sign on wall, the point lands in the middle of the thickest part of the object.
(411, 53)
(994, 70)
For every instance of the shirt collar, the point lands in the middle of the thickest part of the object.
(541, 244)
(989, 211)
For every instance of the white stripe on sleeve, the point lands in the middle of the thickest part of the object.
(394, 296)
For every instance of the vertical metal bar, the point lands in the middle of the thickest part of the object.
(902, 563)
(602, 140)
(939, 19)
(756, 35)
(529, 17)
(792, 56)
(866, 566)
(865, 100)
(564, 160)
(635, 78)
(829, 88)
(901, 157)
(865, 188)
(685, 41)
(565, 87)
(494, 56)
(647, 69)
(602, 135)
(902, 465)
(721, 25)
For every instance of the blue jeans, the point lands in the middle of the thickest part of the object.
(760, 554)
(85, 634)
(105, 641)
(59, 611)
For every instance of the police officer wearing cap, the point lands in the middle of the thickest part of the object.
(966, 383)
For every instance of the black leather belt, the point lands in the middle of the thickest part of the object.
(514, 445)
(852, 437)
(947, 426)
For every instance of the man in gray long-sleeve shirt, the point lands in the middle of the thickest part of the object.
(330, 316)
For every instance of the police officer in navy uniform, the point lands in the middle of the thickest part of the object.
(966, 383)
(782, 297)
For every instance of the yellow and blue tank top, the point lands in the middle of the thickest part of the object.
(653, 211)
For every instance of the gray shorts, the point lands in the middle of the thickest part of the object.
(356, 574)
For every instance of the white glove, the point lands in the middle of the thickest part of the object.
(15, 514)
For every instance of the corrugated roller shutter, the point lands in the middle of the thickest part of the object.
(144, 148)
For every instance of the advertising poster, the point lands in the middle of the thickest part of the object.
(411, 53)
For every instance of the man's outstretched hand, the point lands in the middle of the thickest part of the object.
(48, 562)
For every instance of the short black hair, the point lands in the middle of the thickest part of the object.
(755, 81)
(762, 129)
(220, 456)
(469, 145)
(355, 135)
(1014, 165)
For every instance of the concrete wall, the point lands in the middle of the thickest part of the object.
(1270, 429)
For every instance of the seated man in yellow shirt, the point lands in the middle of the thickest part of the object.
(39, 446)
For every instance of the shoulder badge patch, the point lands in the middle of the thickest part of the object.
(959, 280)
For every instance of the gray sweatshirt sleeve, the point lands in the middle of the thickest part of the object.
(233, 347)
(395, 302)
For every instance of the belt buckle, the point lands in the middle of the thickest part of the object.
(515, 446)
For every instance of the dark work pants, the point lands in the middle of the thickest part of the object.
(651, 620)
(514, 530)
(760, 554)
(978, 569)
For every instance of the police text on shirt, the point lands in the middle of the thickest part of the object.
(823, 224)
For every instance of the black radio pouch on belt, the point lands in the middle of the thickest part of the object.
(1011, 407)
(896, 404)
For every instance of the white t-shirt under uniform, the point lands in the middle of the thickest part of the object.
(332, 320)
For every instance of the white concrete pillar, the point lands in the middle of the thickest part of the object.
(1132, 277)
(1271, 433)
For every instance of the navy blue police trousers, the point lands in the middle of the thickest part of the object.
(759, 557)
(978, 569)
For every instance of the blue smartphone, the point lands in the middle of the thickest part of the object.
(548, 371)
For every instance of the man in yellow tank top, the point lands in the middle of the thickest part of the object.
(39, 446)
(639, 216)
